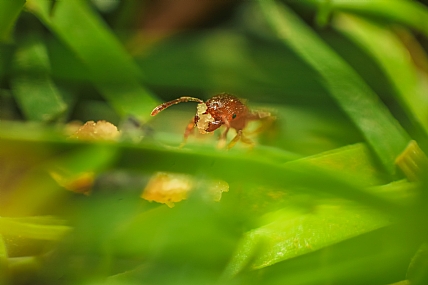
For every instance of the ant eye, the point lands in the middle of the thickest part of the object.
(233, 116)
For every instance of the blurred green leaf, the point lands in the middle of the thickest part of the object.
(409, 13)
(418, 268)
(111, 68)
(9, 12)
(208, 234)
(77, 161)
(27, 229)
(74, 170)
(33, 88)
(378, 257)
(290, 231)
(393, 57)
(287, 235)
(353, 95)
(208, 162)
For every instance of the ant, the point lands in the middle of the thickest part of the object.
(222, 109)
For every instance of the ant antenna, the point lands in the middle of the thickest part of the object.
(163, 106)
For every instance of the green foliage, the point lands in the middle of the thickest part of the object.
(333, 192)
(347, 88)
(9, 12)
(31, 76)
(94, 45)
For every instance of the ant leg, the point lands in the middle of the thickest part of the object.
(223, 137)
(222, 140)
(188, 131)
(240, 136)
(235, 139)
(247, 141)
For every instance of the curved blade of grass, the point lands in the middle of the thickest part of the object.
(387, 138)
(33, 88)
(409, 13)
(285, 236)
(10, 226)
(9, 12)
(392, 56)
(235, 167)
(112, 69)
(379, 257)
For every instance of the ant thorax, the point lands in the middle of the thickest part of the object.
(203, 119)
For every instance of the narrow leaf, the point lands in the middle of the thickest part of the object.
(383, 133)
(112, 69)
(329, 223)
(36, 93)
(29, 230)
(385, 47)
(9, 12)
(409, 13)
(234, 167)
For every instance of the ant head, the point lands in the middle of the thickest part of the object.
(221, 109)
(204, 121)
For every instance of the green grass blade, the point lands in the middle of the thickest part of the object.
(233, 166)
(9, 12)
(33, 88)
(112, 69)
(387, 138)
(389, 52)
(285, 238)
(378, 257)
(10, 226)
(409, 13)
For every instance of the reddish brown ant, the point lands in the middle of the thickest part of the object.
(222, 109)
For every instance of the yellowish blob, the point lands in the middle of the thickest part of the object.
(101, 130)
(80, 183)
(204, 119)
(169, 188)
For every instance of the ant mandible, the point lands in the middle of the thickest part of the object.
(222, 109)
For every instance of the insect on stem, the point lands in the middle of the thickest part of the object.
(163, 106)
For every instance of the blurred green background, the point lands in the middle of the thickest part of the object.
(333, 192)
